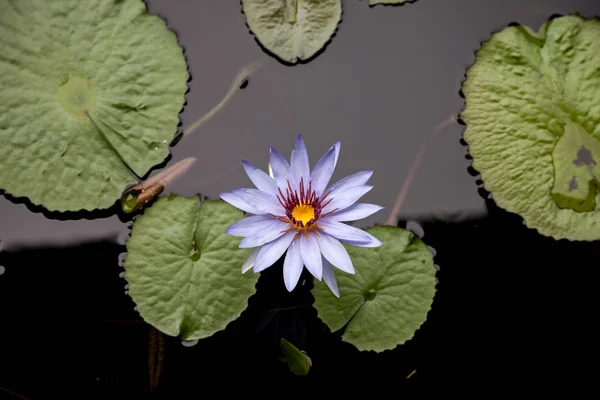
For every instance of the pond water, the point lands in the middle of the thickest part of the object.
(388, 87)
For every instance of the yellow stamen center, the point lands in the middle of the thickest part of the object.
(303, 213)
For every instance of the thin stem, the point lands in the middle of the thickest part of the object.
(17, 395)
(242, 75)
(393, 218)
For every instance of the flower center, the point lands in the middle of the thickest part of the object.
(303, 213)
(302, 207)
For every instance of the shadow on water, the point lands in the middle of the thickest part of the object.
(511, 307)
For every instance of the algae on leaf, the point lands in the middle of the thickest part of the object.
(533, 124)
(91, 91)
(293, 30)
(183, 270)
(389, 297)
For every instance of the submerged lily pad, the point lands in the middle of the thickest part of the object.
(533, 124)
(293, 30)
(184, 270)
(91, 90)
(389, 297)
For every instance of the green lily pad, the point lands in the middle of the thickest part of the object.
(91, 90)
(293, 30)
(183, 270)
(533, 124)
(388, 298)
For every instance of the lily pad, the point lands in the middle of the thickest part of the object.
(184, 270)
(91, 90)
(533, 124)
(293, 30)
(388, 299)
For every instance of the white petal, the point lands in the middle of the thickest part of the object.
(329, 277)
(311, 255)
(260, 179)
(249, 262)
(344, 232)
(280, 168)
(261, 201)
(335, 253)
(272, 251)
(299, 161)
(371, 242)
(292, 266)
(355, 212)
(250, 225)
(322, 172)
(235, 201)
(266, 235)
(345, 198)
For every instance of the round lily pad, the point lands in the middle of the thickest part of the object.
(183, 270)
(91, 90)
(388, 298)
(533, 124)
(293, 30)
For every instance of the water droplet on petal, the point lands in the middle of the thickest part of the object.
(437, 281)
(189, 343)
(127, 286)
(122, 274)
(432, 251)
(437, 267)
(135, 308)
(126, 292)
(2, 270)
(415, 228)
(122, 257)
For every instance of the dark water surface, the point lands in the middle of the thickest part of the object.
(512, 307)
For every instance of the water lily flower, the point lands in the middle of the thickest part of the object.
(294, 210)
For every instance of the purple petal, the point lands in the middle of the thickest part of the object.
(292, 266)
(336, 148)
(280, 168)
(266, 235)
(235, 201)
(249, 262)
(311, 255)
(355, 212)
(322, 172)
(358, 179)
(299, 161)
(261, 201)
(329, 277)
(260, 179)
(250, 225)
(335, 253)
(272, 251)
(344, 232)
(345, 198)
(371, 242)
